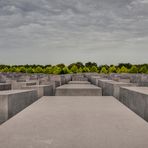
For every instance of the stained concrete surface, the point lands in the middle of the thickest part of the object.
(78, 90)
(75, 122)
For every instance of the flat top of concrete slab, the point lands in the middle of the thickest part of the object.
(75, 122)
(34, 86)
(105, 80)
(119, 83)
(5, 84)
(143, 90)
(78, 82)
(78, 86)
(8, 92)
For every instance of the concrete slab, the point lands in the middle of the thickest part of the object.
(78, 90)
(78, 82)
(75, 122)
(13, 101)
(42, 90)
(5, 86)
(20, 85)
(112, 88)
(136, 98)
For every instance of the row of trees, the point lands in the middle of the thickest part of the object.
(77, 67)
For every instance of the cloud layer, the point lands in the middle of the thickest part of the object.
(55, 31)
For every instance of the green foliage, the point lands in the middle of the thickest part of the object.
(66, 70)
(103, 70)
(133, 69)
(29, 70)
(56, 70)
(122, 70)
(143, 69)
(77, 67)
(22, 69)
(94, 69)
(48, 70)
(90, 64)
(112, 69)
(5, 69)
(86, 69)
(74, 69)
(38, 70)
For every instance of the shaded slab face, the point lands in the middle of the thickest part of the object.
(75, 122)
(78, 90)
(136, 98)
(5, 86)
(13, 101)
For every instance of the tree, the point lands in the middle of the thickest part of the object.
(30, 70)
(48, 70)
(93, 69)
(90, 64)
(56, 70)
(123, 70)
(86, 69)
(143, 69)
(103, 70)
(66, 70)
(112, 69)
(5, 69)
(74, 69)
(133, 69)
(61, 65)
(80, 70)
(38, 70)
(22, 69)
(127, 65)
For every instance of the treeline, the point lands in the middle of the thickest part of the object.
(77, 67)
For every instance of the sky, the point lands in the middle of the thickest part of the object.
(67, 31)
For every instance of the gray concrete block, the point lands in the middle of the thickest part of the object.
(78, 90)
(42, 90)
(20, 85)
(13, 101)
(75, 122)
(5, 86)
(136, 98)
(112, 88)
(94, 80)
(78, 82)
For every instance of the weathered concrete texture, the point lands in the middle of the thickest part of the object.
(94, 80)
(5, 86)
(136, 98)
(78, 82)
(79, 77)
(20, 85)
(112, 88)
(101, 83)
(42, 90)
(78, 90)
(75, 122)
(13, 101)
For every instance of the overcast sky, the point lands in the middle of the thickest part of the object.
(66, 31)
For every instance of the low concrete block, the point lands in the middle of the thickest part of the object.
(112, 88)
(13, 101)
(136, 98)
(20, 85)
(79, 82)
(42, 90)
(94, 80)
(78, 90)
(75, 122)
(5, 86)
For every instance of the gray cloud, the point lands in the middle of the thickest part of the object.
(54, 31)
